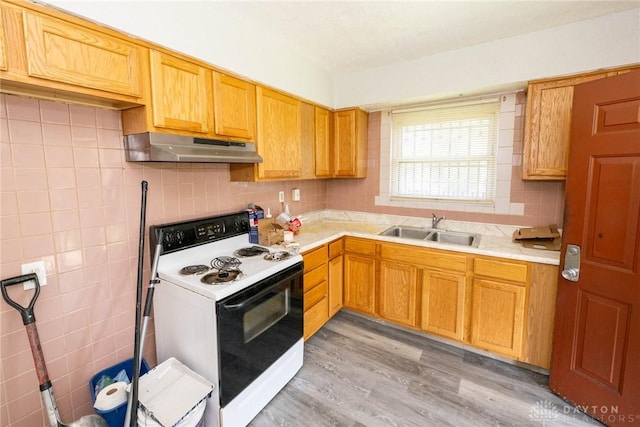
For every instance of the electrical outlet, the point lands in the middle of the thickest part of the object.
(281, 196)
(38, 268)
(295, 194)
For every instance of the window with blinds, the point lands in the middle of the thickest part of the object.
(445, 152)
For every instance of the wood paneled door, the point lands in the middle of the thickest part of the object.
(596, 355)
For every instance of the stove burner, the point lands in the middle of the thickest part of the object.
(277, 256)
(193, 269)
(221, 276)
(250, 251)
(225, 263)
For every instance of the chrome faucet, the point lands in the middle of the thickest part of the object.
(435, 220)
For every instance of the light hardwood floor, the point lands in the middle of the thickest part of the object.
(362, 372)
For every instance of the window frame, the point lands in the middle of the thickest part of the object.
(436, 172)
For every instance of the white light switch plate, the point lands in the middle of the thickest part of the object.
(38, 268)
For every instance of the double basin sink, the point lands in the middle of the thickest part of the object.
(433, 235)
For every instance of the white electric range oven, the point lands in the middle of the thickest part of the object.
(230, 310)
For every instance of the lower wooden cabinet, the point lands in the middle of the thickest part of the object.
(443, 303)
(336, 281)
(498, 317)
(500, 305)
(398, 293)
(322, 285)
(359, 283)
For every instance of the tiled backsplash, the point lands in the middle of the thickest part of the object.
(543, 201)
(69, 198)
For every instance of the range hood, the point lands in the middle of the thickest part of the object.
(160, 147)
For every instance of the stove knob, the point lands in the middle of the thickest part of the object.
(179, 236)
(169, 238)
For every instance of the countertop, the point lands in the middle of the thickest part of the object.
(318, 231)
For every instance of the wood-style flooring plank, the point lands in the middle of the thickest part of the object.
(363, 372)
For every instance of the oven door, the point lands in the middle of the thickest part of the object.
(255, 327)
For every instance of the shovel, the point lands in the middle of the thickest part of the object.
(46, 389)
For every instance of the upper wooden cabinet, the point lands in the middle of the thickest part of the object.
(50, 54)
(279, 139)
(548, 125)
(350, 144)
(3, 44)
(180, 94)
(234, 107)
(323, 142)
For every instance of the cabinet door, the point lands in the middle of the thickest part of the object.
(64, 52)
(3, 44)
(234, 107)
(335, 284)
(180, 94)
(279, 140)
(350, 144)
(345, 143)
(398, 293)
(547, 127)
(443, 298)
(359, 283)
(323, 145)
(497, 317)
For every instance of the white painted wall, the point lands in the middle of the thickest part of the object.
(606, 41)
(212, 32)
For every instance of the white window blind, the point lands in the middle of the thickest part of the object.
(445, 152)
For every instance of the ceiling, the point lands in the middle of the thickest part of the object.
(347, 36)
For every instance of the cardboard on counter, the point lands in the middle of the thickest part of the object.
(270, 233)
(547, 237)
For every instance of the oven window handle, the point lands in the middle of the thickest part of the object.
(243, 304)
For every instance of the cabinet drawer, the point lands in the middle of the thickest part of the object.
(315, 277)
(501, 269)
(335, 248)
(315, 258)
(315, 317)
(314, 295)
(360, 246)
(424, 257)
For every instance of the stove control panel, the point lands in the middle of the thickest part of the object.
(182, 235)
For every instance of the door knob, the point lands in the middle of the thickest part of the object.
(571, 274)
(571, 270)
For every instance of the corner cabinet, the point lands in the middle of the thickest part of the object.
(548, 124)
(350, 144)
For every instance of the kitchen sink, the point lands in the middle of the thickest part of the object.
(432, 235)
(454, 238)
(406, 232)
